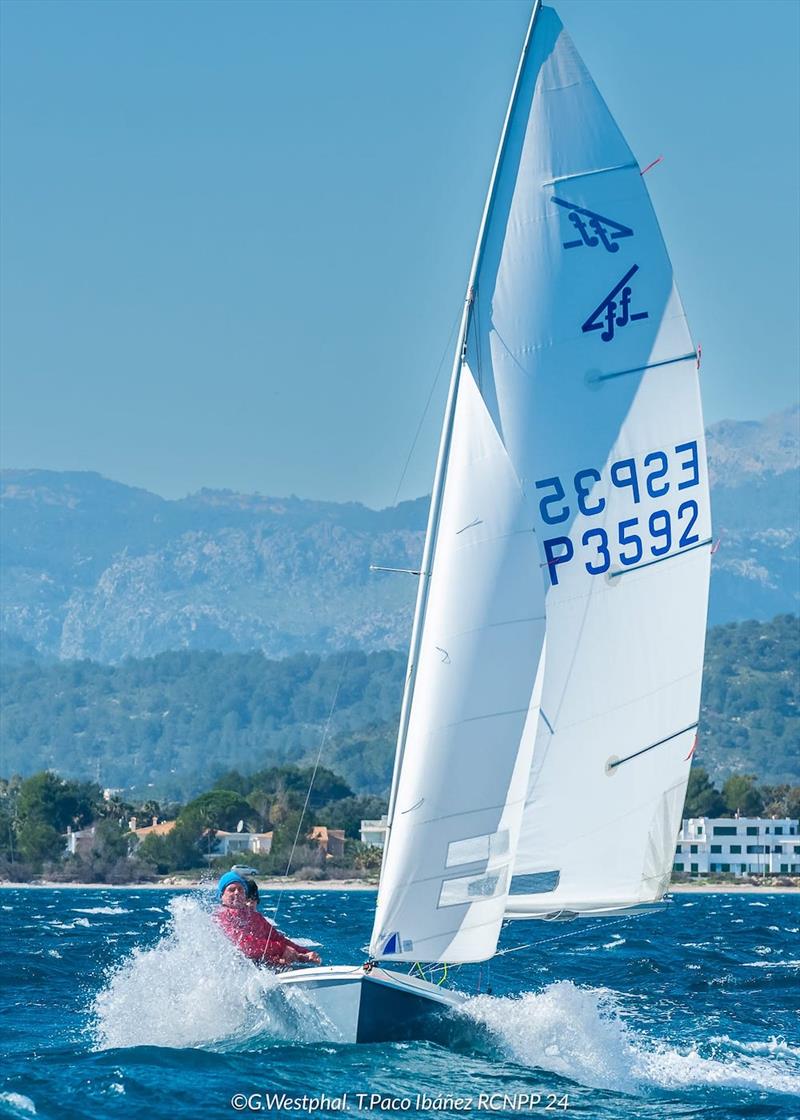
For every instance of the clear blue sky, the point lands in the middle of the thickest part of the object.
(236, 235)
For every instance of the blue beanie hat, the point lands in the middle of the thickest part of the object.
(228, 878)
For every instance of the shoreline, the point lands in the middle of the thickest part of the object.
(353, 885)
(198, 884)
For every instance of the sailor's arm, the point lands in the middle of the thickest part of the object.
(279, 949)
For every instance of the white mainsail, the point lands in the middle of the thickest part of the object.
(572, 485)
(609, 380)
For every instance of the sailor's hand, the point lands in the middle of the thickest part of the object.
(292, 956)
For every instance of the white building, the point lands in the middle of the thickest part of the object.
(739, 845)
(374, 832)
(229, 843)
(79, 841)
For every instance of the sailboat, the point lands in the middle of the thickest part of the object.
(551, 702)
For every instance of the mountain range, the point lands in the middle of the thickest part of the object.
(91, 568)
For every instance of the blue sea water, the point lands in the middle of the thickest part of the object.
(131, 1003)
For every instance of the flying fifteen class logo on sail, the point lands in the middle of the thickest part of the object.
(614, 310)
(604, 231)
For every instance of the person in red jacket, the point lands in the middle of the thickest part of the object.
(250, 931)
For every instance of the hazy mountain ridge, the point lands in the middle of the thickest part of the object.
(741, 451)
(93, 568)
(755, 480)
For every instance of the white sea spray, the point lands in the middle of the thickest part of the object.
(192, 988)
(581, 1033)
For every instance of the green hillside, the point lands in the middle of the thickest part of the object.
(171, 724)
(750, 714)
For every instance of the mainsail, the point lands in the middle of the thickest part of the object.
(535, 778)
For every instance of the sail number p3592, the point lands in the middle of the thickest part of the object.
(651, 535)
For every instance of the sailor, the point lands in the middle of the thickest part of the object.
(250, 931)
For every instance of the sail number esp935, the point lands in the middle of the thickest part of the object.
(637, 540)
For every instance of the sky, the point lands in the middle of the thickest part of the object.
(236, 235)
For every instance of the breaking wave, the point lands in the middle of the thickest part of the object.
(580, 1033)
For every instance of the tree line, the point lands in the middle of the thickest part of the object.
(740, 795)
(37, 812)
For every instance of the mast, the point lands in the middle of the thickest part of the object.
(445, 442)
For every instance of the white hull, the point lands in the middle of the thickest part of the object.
(376, 1006)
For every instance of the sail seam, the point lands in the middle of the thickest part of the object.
(668, 686)
(488, 715)
(490, 540)
(495, 625)
(578, 836)
(464, 813)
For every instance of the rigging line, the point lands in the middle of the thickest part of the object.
(445, 352)
(560, 936)
(323, 740)
(476, 319)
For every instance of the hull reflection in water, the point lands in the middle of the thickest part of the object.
(375, 1006)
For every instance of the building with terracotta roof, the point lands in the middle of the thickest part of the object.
(329, 840)
(152, 829)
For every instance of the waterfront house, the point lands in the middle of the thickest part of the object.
(231, 843)
(80, 841)
(152, 829)
(329, 840)
(739, 846)
(373, 832)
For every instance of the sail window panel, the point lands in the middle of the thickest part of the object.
(473, 849)
(537, 882)
(474, 888)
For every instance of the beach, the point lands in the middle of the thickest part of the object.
(171, 884)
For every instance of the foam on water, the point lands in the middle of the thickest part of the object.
(100, 910)
(772, 964)
(15, 1104)
(579, 1033)
(193, 988)
(773, 1045)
